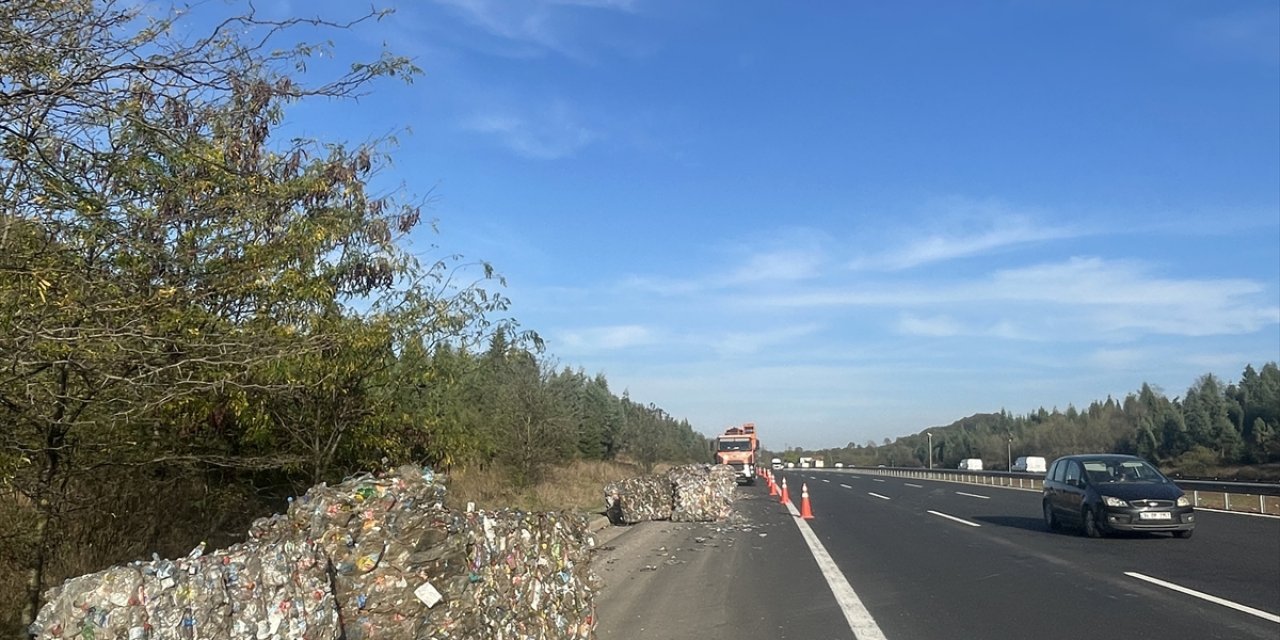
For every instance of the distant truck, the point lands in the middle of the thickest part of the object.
(818, 463)
(776, 463)
(1030, 464)
(971, 464)
(806, 462)
(737, 447)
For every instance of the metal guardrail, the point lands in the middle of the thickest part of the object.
(1247, 497)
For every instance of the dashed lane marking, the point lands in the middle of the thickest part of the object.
(879, 496)
(972, 495)
(955, 519)
(1265, 615)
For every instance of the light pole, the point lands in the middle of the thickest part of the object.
(1010, 451)
(930, 434)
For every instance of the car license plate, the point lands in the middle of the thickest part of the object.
(1155, 515)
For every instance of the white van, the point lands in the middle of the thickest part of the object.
(971, 464)
(1030, 464)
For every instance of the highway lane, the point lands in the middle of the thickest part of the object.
(749, 579)
(911, 551)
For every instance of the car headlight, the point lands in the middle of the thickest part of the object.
(1184, 501)
(1114, 502)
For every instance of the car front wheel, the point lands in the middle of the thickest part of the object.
(1092, 527)
(1050, 519)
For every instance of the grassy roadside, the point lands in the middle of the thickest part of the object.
(578, 486)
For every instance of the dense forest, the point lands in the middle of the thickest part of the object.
(1212, 427)
(200, 316)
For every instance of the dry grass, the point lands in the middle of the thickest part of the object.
(574, 487)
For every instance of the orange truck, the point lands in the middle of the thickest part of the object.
(737, 447)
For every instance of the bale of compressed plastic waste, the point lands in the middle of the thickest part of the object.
(638, 499)
(256, 589)
(702, 493)
(405, 566)
(372, 557)
(689, 493)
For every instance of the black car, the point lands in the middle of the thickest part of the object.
(1105, 493)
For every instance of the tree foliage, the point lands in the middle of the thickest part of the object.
(193, 306)
(1212, 425)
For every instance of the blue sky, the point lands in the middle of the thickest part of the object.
(847, 221)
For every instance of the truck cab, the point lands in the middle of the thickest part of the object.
(737, 447)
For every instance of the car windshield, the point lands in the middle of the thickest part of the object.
(735, 445)
(1100, 471)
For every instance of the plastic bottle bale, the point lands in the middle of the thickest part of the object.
(252, 590)
(528, 576)
(702, 493)
(368, 497)
(445, 574)
(370, 527)
(638, 499)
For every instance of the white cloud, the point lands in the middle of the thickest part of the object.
(550, 134)
(1121, 359)
(997, 231)
(936, 326)
(1124, 296)
(750, 342)
(802, 259)
(610, 338)
(1084, 296)
(534, 26)
(779, 265)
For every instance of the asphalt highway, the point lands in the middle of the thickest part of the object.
(931, 559)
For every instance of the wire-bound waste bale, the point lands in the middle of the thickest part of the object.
(638, 499)
(689, 493)
(372, 557)
(702, 493)
(262, 590)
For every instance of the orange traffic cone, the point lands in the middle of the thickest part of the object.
(773, 487)
(786, 497)
(805, 511)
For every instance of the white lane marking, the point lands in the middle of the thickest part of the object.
(826, 481)
(913, 485)
(960, 520)
(972, 495)
(1204, 596)
(877, 480)
(846, 486)
(864, 627)
(879, 496)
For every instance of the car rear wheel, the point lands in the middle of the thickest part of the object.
(1050, 519)
(1182, 534)
(1091, 526)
